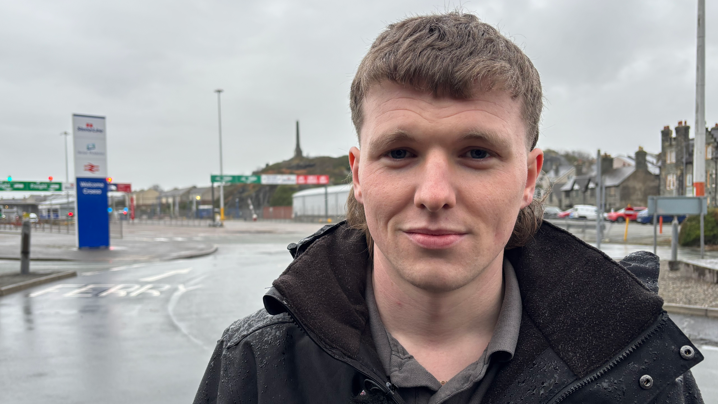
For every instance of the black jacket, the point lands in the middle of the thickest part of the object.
(591, 332)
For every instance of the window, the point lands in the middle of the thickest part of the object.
(709, 152)
(689, 180)
(670, 157)
(671, 181)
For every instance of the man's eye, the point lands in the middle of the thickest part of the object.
(398, 154)
(478, 154)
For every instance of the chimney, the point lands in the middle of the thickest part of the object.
(606, 163)
(641, 159)
(682, 131)
(579, 167)
(555, 170)
(666, 135)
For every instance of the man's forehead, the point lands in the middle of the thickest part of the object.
(389, 105)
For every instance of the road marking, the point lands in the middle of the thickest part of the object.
(81, 291)
(181, 289)
(52, 289)
(165, 275)
(148, 289)
(710, 347)
(122, 268)
(120, 290)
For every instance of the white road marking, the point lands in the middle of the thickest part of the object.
(52, 289)
(122, 268)
(181, 289)
(165, 275)
(710, 347)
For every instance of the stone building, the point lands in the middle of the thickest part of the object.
(677, 162)
(627, 184)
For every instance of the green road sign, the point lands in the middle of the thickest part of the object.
(27, 186)
(237, 179)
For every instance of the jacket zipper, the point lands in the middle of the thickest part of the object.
(599, 373)
(387, 389)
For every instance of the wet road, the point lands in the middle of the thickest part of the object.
(145, 332)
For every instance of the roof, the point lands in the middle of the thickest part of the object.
(616, 176)
(334, 189)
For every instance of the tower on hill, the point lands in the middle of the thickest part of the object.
(297, 148)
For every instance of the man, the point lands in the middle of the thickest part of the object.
(444, 287)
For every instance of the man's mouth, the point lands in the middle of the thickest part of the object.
(434, 238)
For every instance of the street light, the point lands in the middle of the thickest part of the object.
(67, 171)
(221, 171)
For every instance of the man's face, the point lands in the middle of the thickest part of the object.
(442, 182)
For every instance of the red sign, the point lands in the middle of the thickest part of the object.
(312, 179)
(124, 187)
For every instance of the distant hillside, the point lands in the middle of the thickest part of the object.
(281, 195)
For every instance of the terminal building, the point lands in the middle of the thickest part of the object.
(319, 203)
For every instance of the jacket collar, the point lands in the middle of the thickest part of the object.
(585, 304)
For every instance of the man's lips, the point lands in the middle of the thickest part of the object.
(434, 238)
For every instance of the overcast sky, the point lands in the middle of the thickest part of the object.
(614, 73)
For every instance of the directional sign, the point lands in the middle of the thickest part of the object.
(237, 179)
(273, 179)
(30, 186)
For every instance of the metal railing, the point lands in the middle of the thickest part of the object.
(46, 226)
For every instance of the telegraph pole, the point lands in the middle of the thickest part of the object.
(67, 171)
(599, 200)
(221, 171)
(699, 156)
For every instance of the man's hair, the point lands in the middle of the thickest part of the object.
(449, 55)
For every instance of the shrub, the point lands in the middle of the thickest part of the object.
(690, 234)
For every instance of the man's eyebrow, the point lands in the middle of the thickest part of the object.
(487, 137)
(385, 141)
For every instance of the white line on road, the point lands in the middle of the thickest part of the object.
(165, 275)
(181, 289)
(122, 268)
(710, 347)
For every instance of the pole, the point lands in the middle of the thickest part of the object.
(699, 158)
(703, 246)
(655, 235)
(221, 172)
(674, 239)
(213, 221)
(326, 203)
(67, 176)
(599, 210)
(25, 248)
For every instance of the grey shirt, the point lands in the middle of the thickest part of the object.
(417, 386)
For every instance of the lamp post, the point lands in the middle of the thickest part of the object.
(67, 170)
(221, 171)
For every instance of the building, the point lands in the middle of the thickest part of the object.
(555, 172)
(320, 202)
(676, 162)
(628, 184)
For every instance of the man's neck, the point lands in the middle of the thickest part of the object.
(444, 331)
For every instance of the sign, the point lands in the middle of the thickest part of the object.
(236, 179)
(89, 140)
(312, 179)
(30, 186)
(272, 179)
(279, 179)
(120, 187)
(92, 221)
(677, 205)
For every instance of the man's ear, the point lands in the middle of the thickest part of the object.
(535, 163)
(354, 154)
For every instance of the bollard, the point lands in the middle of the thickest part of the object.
(674, 239)
(25, 248)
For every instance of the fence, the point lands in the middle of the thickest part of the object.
(46, 226)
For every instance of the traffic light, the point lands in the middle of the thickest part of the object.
(70, 214)
(109, 210)
(109, 179)
(9, 177)
(50, 178)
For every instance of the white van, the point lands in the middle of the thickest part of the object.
(584, 212)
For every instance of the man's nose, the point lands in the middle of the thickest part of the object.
(435, 189)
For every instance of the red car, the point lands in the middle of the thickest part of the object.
(621, 215)
(565, 213)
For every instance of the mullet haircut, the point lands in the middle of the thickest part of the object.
(450, 55)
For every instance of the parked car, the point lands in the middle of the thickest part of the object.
(565, 214)
(644, 218)
(551, 212)
(584, 212)
(621, 215)
(33, 218)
